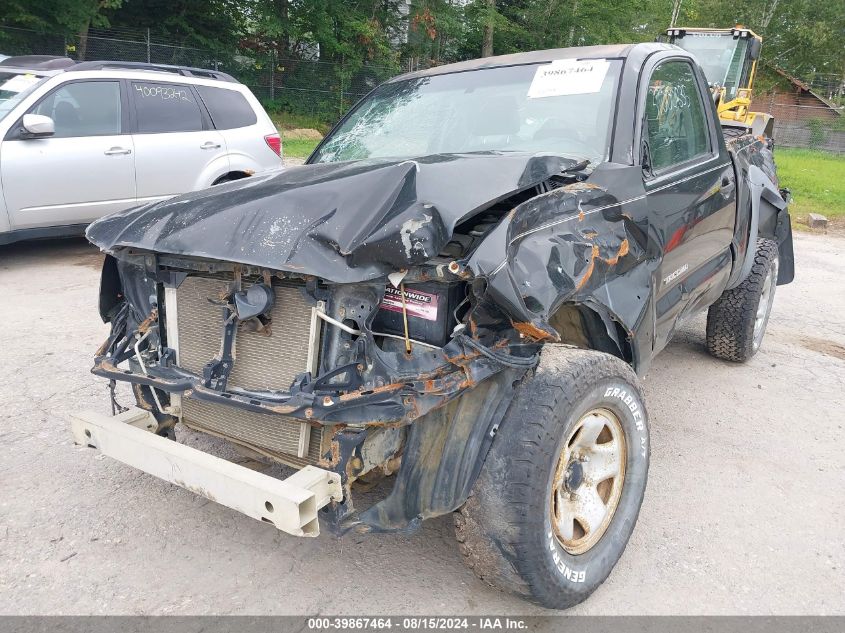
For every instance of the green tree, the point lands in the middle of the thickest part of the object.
(210, 24)
(64, 17)
(435, 31)
(804, 37)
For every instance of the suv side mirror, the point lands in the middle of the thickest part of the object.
(37, 126)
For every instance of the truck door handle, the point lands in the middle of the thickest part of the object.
(728, 184)
(116, 151)
(210, 145)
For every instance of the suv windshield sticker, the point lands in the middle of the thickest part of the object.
(420, 304)
(568, 77)
(19, 83)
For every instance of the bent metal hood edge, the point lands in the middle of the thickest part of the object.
(344, 222)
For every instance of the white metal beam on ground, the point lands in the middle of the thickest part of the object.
(289, 504)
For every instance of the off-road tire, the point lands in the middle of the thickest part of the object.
(504, 530)
(730, 321)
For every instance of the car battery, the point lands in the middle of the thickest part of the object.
(430, 307)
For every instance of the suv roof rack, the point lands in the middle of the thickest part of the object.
(38, 62)
(186, 71)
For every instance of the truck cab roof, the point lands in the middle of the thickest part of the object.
(615, 51)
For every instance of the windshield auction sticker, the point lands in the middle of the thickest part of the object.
(19, 83)
(419, 304)
(568, 77)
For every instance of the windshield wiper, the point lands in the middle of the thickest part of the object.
(576, 167)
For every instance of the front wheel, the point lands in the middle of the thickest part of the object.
(561, 489)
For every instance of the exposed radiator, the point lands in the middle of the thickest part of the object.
(261, 362)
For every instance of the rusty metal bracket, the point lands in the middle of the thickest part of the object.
(216, 372)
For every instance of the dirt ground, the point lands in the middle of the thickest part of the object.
(744, 511)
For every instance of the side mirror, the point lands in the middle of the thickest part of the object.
(37, 126)
(754, 48)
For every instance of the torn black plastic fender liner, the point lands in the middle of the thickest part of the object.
(443, 456)
(342, 222)
(133, 283)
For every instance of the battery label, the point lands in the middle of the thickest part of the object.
(419, 304)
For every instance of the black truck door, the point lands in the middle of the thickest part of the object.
(690, 188)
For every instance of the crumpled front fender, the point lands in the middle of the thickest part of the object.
(575, 244)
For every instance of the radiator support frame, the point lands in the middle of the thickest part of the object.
(204, 417)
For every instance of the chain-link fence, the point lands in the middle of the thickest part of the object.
(809, 127)
(808, 114)
(828, 85)
(324, 90)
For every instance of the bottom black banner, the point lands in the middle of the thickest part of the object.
(400, 623)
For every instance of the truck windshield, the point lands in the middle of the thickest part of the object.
(564, 107)
(721, 57)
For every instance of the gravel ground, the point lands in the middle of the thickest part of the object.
(744, 511)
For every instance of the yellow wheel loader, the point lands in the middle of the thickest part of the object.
(729, 59)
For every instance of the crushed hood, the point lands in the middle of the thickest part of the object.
(344, 222)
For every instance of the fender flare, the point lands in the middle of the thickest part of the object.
(766, 202)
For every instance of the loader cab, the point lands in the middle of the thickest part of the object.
(728, 58)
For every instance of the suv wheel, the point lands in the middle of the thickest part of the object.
(561, 489)
(737, 322)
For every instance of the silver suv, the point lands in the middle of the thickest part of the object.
(93, 138)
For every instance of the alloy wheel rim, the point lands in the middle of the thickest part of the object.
(588, 481)
(765, 305)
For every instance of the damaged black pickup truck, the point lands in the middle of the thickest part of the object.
(457, 291)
